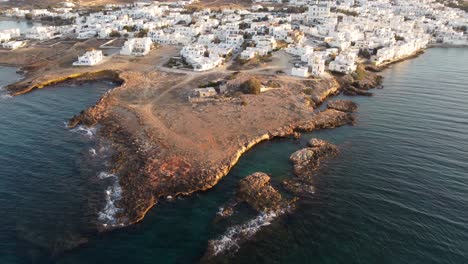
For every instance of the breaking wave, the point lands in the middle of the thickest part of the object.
(104, 175)
(4, 94)
(235, 234)
(83, 130)
(92, 151)
(113, 193)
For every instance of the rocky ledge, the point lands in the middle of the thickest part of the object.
(307, 160)
(343, 105)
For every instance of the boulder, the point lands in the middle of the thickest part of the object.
(307, 160)
(343, 105)
(256, 190)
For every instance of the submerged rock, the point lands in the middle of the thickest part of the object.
(343, 105)
(307, 160)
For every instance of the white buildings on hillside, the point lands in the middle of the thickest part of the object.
(388, 30)
(8, 34)
(318, 11)
(200, 58)
(136, 47)
(41, 33)
(90, 58)
(344, 63)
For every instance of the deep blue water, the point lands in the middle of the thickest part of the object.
(397, 193)
(49, 192)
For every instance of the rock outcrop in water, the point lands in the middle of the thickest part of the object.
(307, 160)
(360, 82)
(343, 105)
(257, 191)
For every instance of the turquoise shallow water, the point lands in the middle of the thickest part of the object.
(21, 24)
(397, 193)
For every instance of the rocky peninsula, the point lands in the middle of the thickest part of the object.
(168, 145)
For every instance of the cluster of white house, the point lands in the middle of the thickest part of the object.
(329, 35)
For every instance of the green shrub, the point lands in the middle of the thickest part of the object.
(251, 86)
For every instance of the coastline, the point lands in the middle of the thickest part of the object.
(159, 169)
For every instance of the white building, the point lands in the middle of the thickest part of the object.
(317, 65)
(90, 58)
(12, 45)
(136, 47)
(40, 33)
(318, 11)
(300, 71)
(8, 34)
(344, 63)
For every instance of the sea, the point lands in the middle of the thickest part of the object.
(396, 193)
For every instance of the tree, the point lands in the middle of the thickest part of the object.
(114, 34)
(28, 16)
(364, 53)
(251, 86)
(142, 33)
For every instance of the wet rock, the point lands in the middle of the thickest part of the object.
(353, 91)
(306, 161)
(329, 118)
(256, 190)
(343, 105)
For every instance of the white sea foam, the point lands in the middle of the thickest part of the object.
(4, 94)
(92, 151)
(83, 130)
(113, 193)
(104, 175)
(230, 240)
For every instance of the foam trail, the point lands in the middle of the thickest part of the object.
(230, 240)
(83, 130)
(113, 193)
(104, 175)
(4, 94)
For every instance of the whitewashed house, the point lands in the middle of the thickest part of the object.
(317, 66)
(90, 58)
(318, 11)
(40, 33)
(12, 45)
(344, 63)
(302, 71)
(8, 34)
(137, 47)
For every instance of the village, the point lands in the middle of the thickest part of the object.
(318, 37)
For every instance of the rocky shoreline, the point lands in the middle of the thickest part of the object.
(166, 146)
(151, 165)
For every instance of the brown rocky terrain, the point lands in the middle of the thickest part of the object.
(169, 146)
